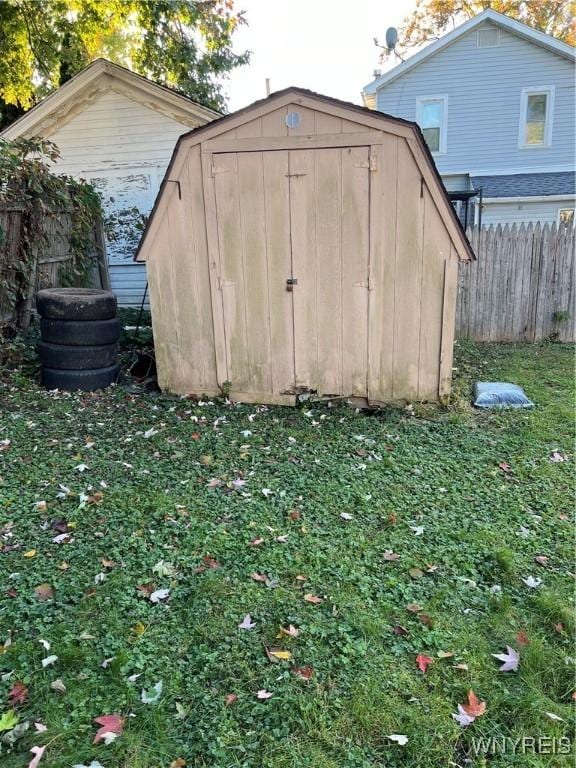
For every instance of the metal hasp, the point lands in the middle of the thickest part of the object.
(291, 282)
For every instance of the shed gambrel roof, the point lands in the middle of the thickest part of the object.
(498, 19)
(330, 105)
(62, 104)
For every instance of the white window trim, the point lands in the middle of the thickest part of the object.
(549, 90)
(420, 101)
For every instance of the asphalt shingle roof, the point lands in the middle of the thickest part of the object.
(527, 184)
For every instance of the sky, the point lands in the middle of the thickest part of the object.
(324, 45)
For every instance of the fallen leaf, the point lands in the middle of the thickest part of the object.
(532, 583)
(17, 694)
(390, 556)
(413, 607)
(504, 466)
(416, 573)
(49, 660)
(552, 716)
(425, 619)
(8, 720)
(522, 638)
(399, 630)
(290, 631)
(559, 627)
(110, 724)
(399, 738)
(40, 727)
(44, 592)
(511, 659)
(313, 599)
(256, 542)
(58, 686)
(152, 695)
(294, 514)
(178, 763)
(346, 516)
(556, 456)
(278, 654)
(159, 595)
(541, 559)
(305, 673)
(475, 707)
(30, 553)
(422, 662)
(37, 752)
(258, 577)
(230, 699)
(461, 666)
(246, 623)
(445, 654)
(264, 694)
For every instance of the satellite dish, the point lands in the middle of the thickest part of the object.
(391, 38)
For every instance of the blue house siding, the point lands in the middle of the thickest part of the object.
(484, 86)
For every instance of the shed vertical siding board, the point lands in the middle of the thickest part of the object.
(190, 269)
(448, 318)
(255, 273)
(304, 266)
(277, 221)
(355, 265)
(436, 250)
(324, 123)
(274, 123)
(383, 210)
(408, 276)
(232, 271)
(328, 289)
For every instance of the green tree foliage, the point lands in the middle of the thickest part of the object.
(433, 18)
(182, 44)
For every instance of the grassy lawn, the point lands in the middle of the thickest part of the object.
(144, 488)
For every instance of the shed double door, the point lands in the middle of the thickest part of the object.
(293, 241)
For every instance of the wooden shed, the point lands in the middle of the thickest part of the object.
(304, 245)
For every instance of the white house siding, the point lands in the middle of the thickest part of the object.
(545, 212)
(124, 147)
(484, 87)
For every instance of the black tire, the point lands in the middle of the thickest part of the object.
(76, 304)
(61, 357)
(79, 333)
(88, 381)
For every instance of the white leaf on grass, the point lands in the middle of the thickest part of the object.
(346, 516)
(40, 727)
(246, 433)
(552, 716)
(462, 718)
(37, 752)
(93, 764)
(163, 568)
(150, 432)
(264, 694)
(49, 660)
(151, 696)
(511, 659)
(62, 538)
(246, 622)
(81, 467)
(58, 686)
(532, 583)
(159, 594)
(418, 529)
(45, 643)
(399, 738)
(267, 492)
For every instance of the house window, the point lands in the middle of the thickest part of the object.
(566, 216)
(431, 116)
(536, 111)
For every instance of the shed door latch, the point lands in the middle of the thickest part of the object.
(291, 282)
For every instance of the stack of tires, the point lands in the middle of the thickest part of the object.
(79, 331)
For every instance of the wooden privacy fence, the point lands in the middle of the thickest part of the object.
(47, 267)
(521, 288)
